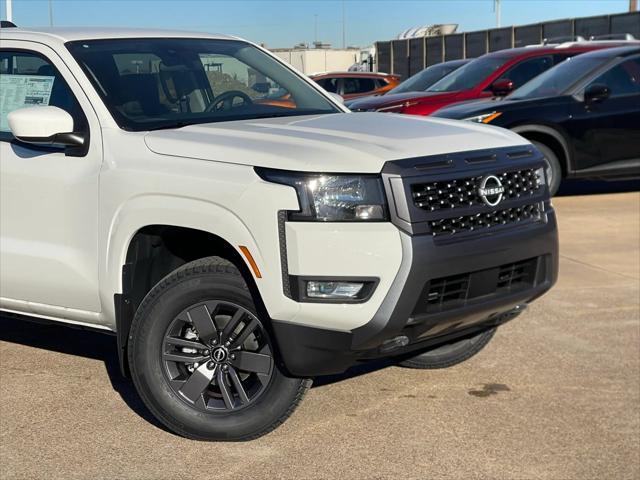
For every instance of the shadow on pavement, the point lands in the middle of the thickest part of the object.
(363, 369)
(87, 343)
(95, 344)
(594, 187)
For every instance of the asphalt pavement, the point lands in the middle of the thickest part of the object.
(555, 395)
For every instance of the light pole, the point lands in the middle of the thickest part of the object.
(344, 27)
(315, 28)
(496, 6)
(51, 13)
(9, 11)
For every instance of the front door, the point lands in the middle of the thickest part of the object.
(48, 195)
(609, 131)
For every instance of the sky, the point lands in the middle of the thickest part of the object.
(284, 23)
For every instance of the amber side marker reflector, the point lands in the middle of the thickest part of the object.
(491, 117)
(252, 262)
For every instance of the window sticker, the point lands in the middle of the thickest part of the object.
(19, 91)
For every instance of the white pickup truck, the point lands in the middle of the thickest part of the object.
(241, 232)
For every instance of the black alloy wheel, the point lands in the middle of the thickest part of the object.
(217, 356)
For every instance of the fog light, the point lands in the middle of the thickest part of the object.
(316, 289)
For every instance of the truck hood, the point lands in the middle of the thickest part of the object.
(391, 99)
(342, 142)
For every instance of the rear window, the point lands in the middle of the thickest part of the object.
(358, 85)
(329, 84)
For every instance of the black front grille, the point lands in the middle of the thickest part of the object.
(446, 293)
(458, 196)
(515, 275)
(484, 220)
(451, 194)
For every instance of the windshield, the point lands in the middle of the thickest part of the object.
(468, 76)
(424, 79)
(157, 83)
(558, 79)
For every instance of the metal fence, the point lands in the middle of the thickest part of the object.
(407, 57)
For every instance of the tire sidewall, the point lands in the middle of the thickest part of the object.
(167, 300)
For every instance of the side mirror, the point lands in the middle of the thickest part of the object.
(44, 126)
(336, 98)
(502, 87)
(596, 93)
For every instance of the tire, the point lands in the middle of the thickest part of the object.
(202, 361)
(450, 354)
(553, 168)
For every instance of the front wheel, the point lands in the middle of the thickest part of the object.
(203, 361)
(452, 353)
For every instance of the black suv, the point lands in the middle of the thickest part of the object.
(584, 115)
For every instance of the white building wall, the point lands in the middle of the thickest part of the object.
(319, 60)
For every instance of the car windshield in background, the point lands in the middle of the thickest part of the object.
(468, 76)
(557, 80)
(423, 80)
(163, 83)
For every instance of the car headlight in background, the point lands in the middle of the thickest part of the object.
(333, 197)
(484, 118)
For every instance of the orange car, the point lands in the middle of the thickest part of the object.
(356, 84)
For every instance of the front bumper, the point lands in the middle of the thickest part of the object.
(444, 288)
(309, 351)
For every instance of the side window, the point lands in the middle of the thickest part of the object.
(380, 83)
(29, 80)
(358, 85)
(526, 70)
(329, 84)
(623, 79)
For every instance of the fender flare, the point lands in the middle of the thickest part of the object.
(146, 210)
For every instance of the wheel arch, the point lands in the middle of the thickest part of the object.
(551, 137)
(152, 237)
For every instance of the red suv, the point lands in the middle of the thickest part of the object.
(492, 75)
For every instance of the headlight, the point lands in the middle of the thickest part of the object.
(485, 118)
(333, 197)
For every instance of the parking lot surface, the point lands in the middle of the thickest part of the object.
(555, 395)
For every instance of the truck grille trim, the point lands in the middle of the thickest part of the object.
(463, 192)
(455, 196)
(455, 291)
(485, 220)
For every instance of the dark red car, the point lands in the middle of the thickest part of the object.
(493, 74)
